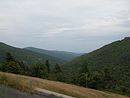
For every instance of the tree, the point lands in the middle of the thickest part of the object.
(102, 80)
(10, 64)
(57, 69)
(84, 76)
(39, 70)
(58, 74)
(9, 57)
(25, 69)
(107, 78)
(95, 80)
(47, 65)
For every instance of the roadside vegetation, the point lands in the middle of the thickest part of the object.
(28, 84)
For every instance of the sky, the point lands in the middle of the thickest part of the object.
(67, 25)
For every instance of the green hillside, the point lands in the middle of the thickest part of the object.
(67, 56)
(28, 57)
(114, 56)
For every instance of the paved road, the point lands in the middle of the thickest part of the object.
(51, 92)
(6, 92)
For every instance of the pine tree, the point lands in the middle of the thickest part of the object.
(58, 74)
(47, 65)
(10, 64)
(9, 57)
(57, 69)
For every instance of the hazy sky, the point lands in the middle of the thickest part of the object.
(69, 25)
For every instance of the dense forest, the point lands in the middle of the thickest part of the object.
(109, 68)
(41, 70)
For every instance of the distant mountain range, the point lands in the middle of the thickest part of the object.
(66, 56)
(33, 55)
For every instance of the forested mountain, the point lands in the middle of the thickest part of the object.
(27, 56)
(107, 68)
(114, 56)
(67, 56)
(116, 53)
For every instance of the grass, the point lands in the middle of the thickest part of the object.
(25, 83)
(15, 82)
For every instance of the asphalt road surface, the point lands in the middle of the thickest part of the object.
(7, 92)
